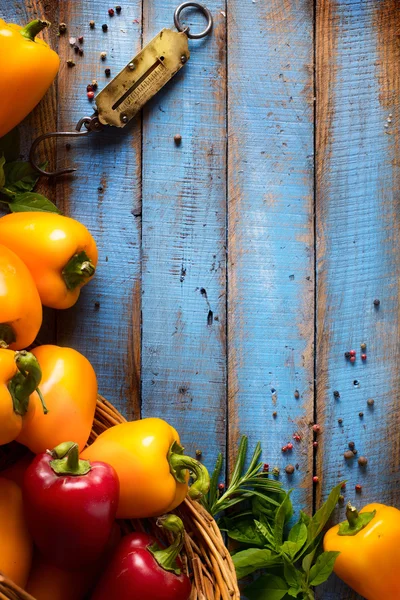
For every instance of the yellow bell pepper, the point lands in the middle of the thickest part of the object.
(369, 548)
(28, 67)
(152, 469)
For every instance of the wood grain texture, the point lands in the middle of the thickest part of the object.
(105, 195)
(358, 248)
(184, 217)
(270, 233)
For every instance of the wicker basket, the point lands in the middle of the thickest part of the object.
(205, 557)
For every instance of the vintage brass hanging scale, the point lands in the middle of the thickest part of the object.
(137, 83)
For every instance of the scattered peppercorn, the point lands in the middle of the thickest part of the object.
(107, 72)
(284, 448)
(97, 305)
(363, 357)
(104, 27)
(370, 401)
(68, 146)
(111, 12)
(89, 88)
(118, 9)
(316, 428)
(356, 382)
(347, 354)
(198, 452)
(353, 353)
(340, 421)
(297, 437)
(341, 499)
(62, 28)
(315, 479)
(352, 359)
(80, 39)
(348, 455)
(297, 394)
(377, 302)
(221, 487)
(76, 49)
(103, 55)
(177, 139)
(363, 461)
(289, 446)
(92, 24)
(361, 414)
(94, 84)
(80, 51)
(90, 95)
(315, 444)
(363, 346)
(274, 414)
(358, 488)
(336, 394)
(70, 63)
(343, 486)
(289, 469)
(355, 451)
(352, 445)
(265, 467)
(275, 471)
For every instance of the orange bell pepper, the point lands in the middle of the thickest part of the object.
(15, 542)
(20, 306)
(69, 389)
(28, 69)
(152, 469)
(59, 252)
(19, 376)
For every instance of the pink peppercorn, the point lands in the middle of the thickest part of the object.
(265, 467)
(353, 353)
(111, 12)
(90, 95)
(284, 448)
(315, 444)
(221, 487)
(363, 357)
(316, 428)
(358, 488)
(315, 479)
(289, 446)
(352, 359)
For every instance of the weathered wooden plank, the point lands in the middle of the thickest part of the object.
(358, 91)
(105, 195)
(270, 232)
(184, 200)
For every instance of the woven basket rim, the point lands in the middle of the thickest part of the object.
(205, 555)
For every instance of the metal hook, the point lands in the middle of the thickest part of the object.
(91, 124)
(180, 27)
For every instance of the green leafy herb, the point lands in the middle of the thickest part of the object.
(18, 179)
(254, 511)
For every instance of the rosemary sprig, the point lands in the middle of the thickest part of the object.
(252, 482)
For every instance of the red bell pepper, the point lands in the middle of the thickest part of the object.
(70, 506)
(141, 569)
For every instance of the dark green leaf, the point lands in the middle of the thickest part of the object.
(212, 496)
(20, 176)
(308, 561)
(280, 519)
(9, 145)
(9, 193)
(289, 548)
(305, 518)
(32, 202)
(292, 575)
(321, 517)
(240, 460)
(323, 567)
(266, 587)
(298, 534)
(294, 592)
(266, 534)
(2, 175)
(250, 560)
(244, 530)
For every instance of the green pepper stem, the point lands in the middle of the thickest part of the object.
(78, 270)
(24, 383)
(166, 557)
(66, 460)
(31, 30)
(180, 463)
(351, 515)
(7, 335)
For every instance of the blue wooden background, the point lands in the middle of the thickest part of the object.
(236, 269)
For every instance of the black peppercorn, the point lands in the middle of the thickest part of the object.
(336, 394)
(107, 72)
(104, 27)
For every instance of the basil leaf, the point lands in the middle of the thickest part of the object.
(20, 176)
(2, 175)
(267, 587)
(308, 561)
(289, 548)
(298, 536)
(9, 145)
(32, 202)
(250, 560)
(304, 518)
(244, 530)
(292, 575)
(280, 519)
(321, 517)
(294, 592)
(323, 567)
(266, 534)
